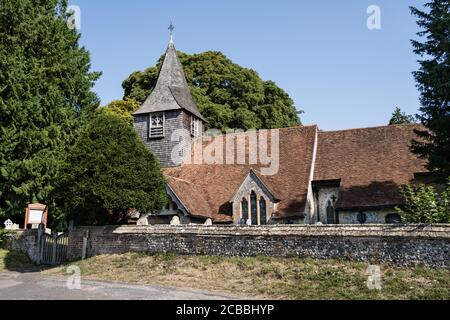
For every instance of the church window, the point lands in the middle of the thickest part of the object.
(244, 205)
(157, 125)
(393, 218)
(361, 217)
(262, 210)
(195, 126)
(330, 213)
(254, 204)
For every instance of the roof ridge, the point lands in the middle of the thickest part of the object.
(374, 127)
(258, 130)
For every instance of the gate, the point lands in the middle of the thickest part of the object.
(52, 247)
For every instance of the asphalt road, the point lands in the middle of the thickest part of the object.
(35, 286)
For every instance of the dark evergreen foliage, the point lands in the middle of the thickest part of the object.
(45, 97)
(433, 82)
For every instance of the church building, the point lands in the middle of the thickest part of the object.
(336, 177)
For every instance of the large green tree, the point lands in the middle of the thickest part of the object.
(433, 81)
(108, 171)
(123, 108)
(45, 95)
(227, 95)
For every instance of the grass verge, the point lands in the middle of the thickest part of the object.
(267, 277)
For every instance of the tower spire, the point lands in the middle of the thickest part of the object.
(171, 28)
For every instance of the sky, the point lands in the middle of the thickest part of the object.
(338, 71)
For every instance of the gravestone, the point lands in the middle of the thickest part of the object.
(142, 222)
(175, 221)
(9, 225)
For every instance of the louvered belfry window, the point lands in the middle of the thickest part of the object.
(157, 125)
(195, 127)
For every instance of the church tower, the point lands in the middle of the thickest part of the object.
(169, 107)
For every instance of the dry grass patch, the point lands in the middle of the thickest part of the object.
(267, 277)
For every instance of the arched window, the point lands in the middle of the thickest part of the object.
(244, 206)
(253, 204)
(262, 210)
(361, 217)
(330, 213)
(393, 218)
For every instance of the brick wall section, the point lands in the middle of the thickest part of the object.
(388, 244)
(25, 241)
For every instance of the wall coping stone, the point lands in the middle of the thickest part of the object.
(438, 231)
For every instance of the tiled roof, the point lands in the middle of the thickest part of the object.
(171, 91)
(193, 197)
(370, 162)
(208, 189)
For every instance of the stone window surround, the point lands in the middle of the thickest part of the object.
(176, 200)
(324, 191)
(252, 183)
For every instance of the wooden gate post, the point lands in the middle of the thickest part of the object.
(85, 243)
(41, 231)
(54, 247)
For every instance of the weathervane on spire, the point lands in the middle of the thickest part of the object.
(171, 28)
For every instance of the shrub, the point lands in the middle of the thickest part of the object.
(3, 233)
(108, 171)
(424, 205)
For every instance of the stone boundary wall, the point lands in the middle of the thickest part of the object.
(25, 241)
(398, 245)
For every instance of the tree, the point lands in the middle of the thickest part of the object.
(399, 117)
(423, 205)
(108, 171)
(123, 108)
(227, 95)
(433, 82)
(45, 97)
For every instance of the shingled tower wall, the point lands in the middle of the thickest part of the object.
(171, 99)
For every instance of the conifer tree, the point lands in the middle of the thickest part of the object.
(433, 81)
(399, 117)
(45, 97)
